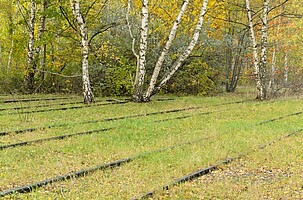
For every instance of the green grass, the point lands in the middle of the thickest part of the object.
(228, 132)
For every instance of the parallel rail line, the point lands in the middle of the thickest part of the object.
(3, 133)
(207, 170)
(196, 174)
(34, 99)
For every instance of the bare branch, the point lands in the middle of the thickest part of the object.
(102, 30)
(64, 13)
(58, 74)
(227, 20)
(277, 6)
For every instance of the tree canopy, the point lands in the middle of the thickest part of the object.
(41, 48)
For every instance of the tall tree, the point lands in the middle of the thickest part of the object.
(139, 94)
(31, 51)
(259, 65)
(140, 75)
(88, 95)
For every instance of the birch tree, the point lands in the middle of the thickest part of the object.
(154, 84)
(87, 93)
(259, 65)
(41, 30)
(12, 22)
(31, 63)
(140, 75)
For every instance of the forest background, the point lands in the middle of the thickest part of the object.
(42, 45)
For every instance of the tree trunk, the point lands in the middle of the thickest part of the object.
(42, 49)
(133, 42)
(88, 95)
(161, 58)
(31, 63)
(259, 66)
(271, 84)
(286, 69)
(12, 22)
(263, 63)
(139, 80)
(188, 50)
(236, 66)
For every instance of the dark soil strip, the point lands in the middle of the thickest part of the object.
(111, 101)
(211, 168)
(41, 106)
(278, 118)
(115, 118)
(68, 135)
(102, 120)
(188, 116)
(66, 108)
(52, 138)
(31, 187)
(70, 103)
(38, 99)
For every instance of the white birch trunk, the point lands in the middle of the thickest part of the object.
(273, 71)
(286, 69)
(1, 61)
(41, 50)
(188, 50)
(168, 44)
(10, 55)
(30, 70)
(263, 63)
(255, 51)
(88, 95)
(138, 93)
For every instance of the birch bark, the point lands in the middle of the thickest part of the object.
(12, 33)
(139, 80)
(42, 48)
(87, 93)
(165, 51)
(31, 64)
(286, 69)
(257, 71)
(263, 63)
(188, 50)
(271, 83)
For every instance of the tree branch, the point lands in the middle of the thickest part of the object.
(102, 29)
(67, 19)
(58, 74)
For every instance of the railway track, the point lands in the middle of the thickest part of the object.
(208, 169)
(191, 176)
(3, 133)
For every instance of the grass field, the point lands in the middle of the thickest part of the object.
(193, 133)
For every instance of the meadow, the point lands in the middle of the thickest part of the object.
(254, 147)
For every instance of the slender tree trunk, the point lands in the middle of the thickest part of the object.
(188, 50)
(271, 84)
(31, 63)
(12, 21)
(139, 80)
(286, 69)
(88, 95)
(263, 63)
(161, 58)
(42, 49)
(133, 42)
(237, 65)
(259, 67)
(1, 62)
